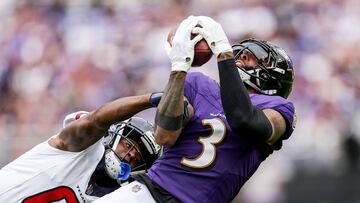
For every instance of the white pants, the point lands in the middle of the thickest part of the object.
(131, 193)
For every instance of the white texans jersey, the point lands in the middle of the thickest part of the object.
(46, 174)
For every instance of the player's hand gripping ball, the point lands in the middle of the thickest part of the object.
(202, 51)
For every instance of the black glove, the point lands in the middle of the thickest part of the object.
(155, 98)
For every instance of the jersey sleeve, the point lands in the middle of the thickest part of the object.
(193, 85)
(288, 112)
(284, 107)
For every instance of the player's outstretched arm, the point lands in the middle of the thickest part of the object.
(170, 118)
(267, 124)
(242, 116)
(84, 132)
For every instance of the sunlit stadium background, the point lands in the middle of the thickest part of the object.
(59, 56)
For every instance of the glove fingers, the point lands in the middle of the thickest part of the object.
(196, 39)
(183, 33)
(201, 31)
(192, 24)
(187, 25)
(206, 21)
(181, 30)
(197, 30)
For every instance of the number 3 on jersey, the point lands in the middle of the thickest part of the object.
(208, 154)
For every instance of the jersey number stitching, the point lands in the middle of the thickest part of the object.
(54, 194)
(208, 154)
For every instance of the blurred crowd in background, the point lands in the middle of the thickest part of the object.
(59, 56)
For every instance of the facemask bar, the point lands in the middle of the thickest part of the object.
(118, 136)
(142, 163)
(265, 56)
(257, 68)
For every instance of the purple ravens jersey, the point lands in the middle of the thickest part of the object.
(209, 162)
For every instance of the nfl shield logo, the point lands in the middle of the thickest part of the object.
(136, 188)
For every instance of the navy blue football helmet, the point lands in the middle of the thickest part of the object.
(274, 74)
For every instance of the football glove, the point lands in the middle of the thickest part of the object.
(214, 35)
(181, 52)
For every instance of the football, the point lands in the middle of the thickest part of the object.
(202, 51)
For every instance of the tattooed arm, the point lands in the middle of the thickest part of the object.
(84, 132)
(169, 116)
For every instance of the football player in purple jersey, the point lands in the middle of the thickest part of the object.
(230, 127)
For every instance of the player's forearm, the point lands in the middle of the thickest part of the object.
(119, 110)
(234, 94)
(169, 116)
(85, 132)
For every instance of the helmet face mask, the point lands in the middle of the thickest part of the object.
(134, 133)
(273, 74)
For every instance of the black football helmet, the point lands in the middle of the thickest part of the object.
(274, 74)
(136, 130)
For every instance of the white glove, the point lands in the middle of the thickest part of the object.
(181, 52)
(213, 34)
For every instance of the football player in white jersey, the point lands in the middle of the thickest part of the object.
(91, 156)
